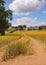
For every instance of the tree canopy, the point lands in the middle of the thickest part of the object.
(5, 16)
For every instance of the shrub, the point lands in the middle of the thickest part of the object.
(12, 31)
(10, 52)
(14, 50)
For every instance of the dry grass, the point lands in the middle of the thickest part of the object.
(21, 40)
(7, 39)
(22, 46)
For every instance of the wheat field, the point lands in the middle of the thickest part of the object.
(40, 35)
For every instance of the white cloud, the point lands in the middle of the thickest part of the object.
(44, 12)
(39, 24)
(43, 23)
(25, 21)
(26, 6)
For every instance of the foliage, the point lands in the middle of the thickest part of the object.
(5, 16)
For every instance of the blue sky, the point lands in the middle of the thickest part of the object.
(27, 15)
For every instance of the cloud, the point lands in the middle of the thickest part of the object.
(39, 24)
(25, 21)
(44, 12)
(26, 6)
(28, 21)
(43, 23)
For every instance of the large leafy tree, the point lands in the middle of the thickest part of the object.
(5, 16)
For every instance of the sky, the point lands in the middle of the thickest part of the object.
(27, 12)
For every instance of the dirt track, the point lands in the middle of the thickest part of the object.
(39, 58)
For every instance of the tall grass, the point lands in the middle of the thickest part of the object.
(20, 47)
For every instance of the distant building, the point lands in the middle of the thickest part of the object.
(19, 28)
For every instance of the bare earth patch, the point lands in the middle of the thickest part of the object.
(38, 58)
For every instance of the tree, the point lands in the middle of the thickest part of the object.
(20, 27)
(43, 27)
(5, 16)
(24, 26)
(40, 28)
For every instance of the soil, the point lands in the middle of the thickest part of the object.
(38, 58)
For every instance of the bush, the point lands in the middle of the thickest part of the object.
(10, 52)
(14, 50)
(12, 31)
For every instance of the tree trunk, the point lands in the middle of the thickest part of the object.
(2, 32)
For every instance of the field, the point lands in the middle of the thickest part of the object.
(37, 34)
(40, 35)
(24, 43)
